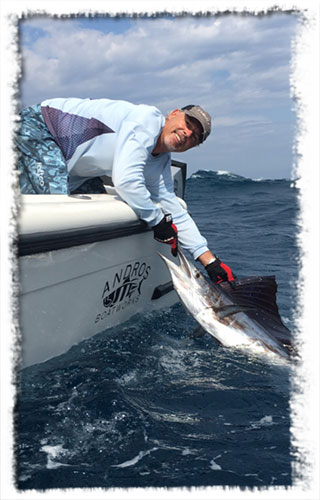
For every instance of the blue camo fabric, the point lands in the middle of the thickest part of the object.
(41, 165)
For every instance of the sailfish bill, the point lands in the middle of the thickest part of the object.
(244, 315)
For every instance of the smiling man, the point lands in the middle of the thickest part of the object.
(67, 144)
(183, 130)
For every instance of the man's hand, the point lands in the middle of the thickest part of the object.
(218, 272)
(166, 232)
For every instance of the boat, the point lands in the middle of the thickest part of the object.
(86, 264)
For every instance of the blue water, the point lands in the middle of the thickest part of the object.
(144, 405)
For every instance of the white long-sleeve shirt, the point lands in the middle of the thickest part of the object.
(116, 138)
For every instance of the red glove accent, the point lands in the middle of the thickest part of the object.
(228, 271)
(218, 272)
(174, 246)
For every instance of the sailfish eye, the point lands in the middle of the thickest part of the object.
(197, 274)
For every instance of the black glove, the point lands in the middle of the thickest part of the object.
(218, 272)
(166, 232)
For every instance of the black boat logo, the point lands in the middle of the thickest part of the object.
(125, 285)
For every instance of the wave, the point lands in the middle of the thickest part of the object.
(225, 176)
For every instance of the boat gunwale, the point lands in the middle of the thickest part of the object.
(33, 243)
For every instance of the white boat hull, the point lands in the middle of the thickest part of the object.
(71, 294)
(87, 263)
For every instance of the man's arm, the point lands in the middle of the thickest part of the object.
(206, 258)
(128, 171)
(188, 233)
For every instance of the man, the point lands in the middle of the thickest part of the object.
(66, 144)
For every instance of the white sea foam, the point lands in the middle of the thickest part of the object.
(229, 174)
(223, 172)
(127, 378)
(214, 465)
(196, 176)
(135, 459)
(173, 361)
(267, 420)
(186, 451)
(177, 417)
(54, 452)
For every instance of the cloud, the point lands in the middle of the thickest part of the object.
(236, 66)
(187, 51)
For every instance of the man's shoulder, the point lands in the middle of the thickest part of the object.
(148, 118)
(146, 111)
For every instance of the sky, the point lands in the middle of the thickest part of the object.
(237, 67)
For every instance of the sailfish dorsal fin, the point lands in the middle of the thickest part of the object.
(258, 293)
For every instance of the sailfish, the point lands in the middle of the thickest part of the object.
(243, 315)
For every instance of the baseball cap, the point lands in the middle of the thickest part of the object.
(195, 111)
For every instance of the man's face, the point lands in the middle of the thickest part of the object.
(180, 132)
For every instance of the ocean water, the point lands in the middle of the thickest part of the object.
(143, 405)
